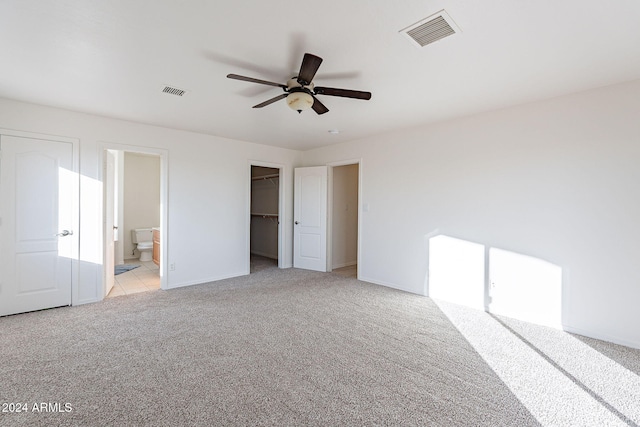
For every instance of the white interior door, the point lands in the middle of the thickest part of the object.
(109, 227)
(37, 192)
(310, 218)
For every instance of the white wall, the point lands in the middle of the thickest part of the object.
(556, 180)
(141, 196)
(208, 184)
(344, 219)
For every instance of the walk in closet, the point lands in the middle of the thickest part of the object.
(265, 185)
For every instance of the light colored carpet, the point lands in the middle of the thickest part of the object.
(292, 347)
(259, 262)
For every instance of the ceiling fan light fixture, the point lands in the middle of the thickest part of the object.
(299, 101)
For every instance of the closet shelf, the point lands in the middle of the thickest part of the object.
(261, 177)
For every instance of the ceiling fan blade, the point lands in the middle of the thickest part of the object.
(271, 101)
(252, 80)
(319, 107)
(308, 69)
(346, 93)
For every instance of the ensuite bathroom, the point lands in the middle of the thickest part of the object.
(136, 223)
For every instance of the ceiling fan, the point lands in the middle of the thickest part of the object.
(300, 91)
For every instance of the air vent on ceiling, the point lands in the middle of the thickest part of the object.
(174, 91)
(431, 29)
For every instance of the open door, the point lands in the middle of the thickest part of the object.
(38, 187)
(310, 218)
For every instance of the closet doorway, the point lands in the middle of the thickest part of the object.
(265, 218)
(343, 247)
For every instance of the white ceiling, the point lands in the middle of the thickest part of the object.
(112, 58)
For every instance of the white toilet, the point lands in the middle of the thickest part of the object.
(143, 239)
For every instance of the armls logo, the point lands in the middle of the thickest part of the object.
(52, 407)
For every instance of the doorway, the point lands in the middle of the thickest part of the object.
(135, 194)
(264, 230)
(327, 219)
(343, 219)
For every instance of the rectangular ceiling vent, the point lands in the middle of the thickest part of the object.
(174, 91)
(431, 29)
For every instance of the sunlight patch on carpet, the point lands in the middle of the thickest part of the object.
(544, 377)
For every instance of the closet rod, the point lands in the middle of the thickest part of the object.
(257, 178)
(264, 215)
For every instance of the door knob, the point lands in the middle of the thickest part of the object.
(65, 233)
(296, 223)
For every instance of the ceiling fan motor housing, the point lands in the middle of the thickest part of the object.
(292, 85)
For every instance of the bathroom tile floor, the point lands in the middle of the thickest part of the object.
(142, 279)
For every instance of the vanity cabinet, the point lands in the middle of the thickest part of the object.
(156, 247)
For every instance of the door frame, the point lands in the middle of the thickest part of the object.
(281, 212)
(75, 156)
(109, 204)
(331, 165)
(164, 208)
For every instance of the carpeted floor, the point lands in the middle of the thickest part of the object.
(292, 347)
(260, 263)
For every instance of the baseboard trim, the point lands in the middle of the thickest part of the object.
(388, 285)
(87, 301)
(203, 281)
(264, 254)
(603, 337)
(344, 264)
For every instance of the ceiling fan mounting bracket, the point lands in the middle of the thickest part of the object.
(300, 89)
(293, 85)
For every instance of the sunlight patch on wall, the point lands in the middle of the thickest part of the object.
(499, 281)
(525, 288)
(456, 271)
(91, 247)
